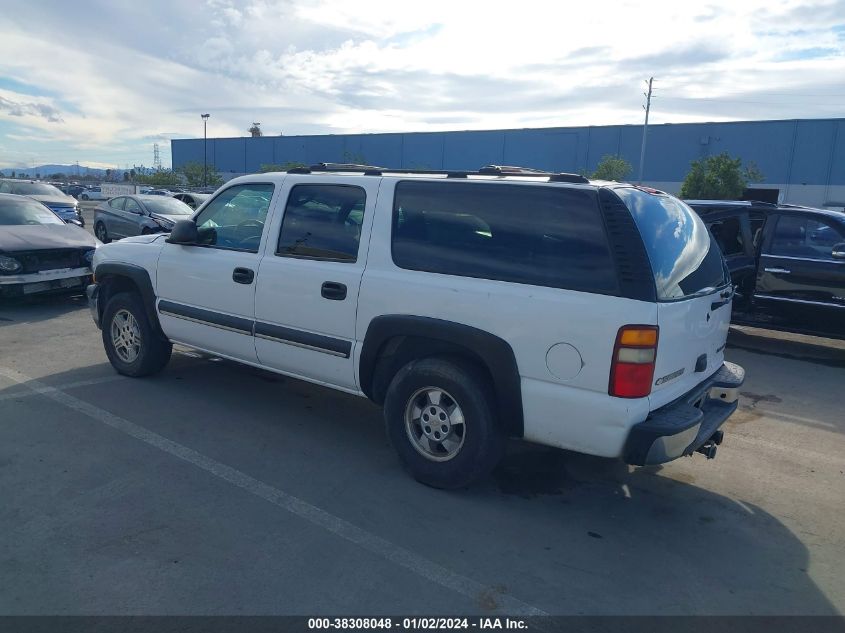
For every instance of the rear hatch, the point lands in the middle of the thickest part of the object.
(693, 292)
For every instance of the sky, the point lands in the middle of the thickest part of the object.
(100, 82)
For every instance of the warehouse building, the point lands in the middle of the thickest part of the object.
(802, 160)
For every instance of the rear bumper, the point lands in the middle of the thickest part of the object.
(689, 423)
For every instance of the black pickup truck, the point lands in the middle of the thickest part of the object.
(787, 263)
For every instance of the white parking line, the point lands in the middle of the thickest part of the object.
(352, 533)
(67, 385)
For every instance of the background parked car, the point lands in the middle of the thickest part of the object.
(93, 193)
(159, 192)
(39, 252)
(75, 190)
(125, 216)
(786, 262)
(60, 203)
(193, 200)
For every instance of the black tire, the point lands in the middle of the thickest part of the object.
(483, 440)
(83, 197)
(153, 352)
(100, 228)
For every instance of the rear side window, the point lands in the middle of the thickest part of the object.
(323, 222)
(544, 236)
(685, 258)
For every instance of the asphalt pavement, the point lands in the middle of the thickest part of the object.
(213, 488)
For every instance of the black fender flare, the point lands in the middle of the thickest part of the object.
(490, 350)
(140, 277)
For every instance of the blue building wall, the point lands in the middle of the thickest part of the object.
(800, 152)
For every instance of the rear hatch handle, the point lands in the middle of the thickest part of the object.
(726, 296)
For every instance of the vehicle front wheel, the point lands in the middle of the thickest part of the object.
(101, 233)
(439, 418)
(131, 343)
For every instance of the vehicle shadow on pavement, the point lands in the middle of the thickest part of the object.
(40, 307)
(822, 351)
(569, 533)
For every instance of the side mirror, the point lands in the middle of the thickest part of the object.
(838, 251)
(183, 232)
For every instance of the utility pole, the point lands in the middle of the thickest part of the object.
(647, 107)
(204, 149)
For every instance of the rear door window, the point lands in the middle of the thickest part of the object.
(539, 235)
(728, 235)
(323, 222)
(685, 258)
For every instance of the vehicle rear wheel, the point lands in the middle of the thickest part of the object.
(439, 418)
(84, 197)
(131, 343)
(101, 233)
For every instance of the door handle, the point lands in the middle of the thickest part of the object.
(243, 275)
(778, 271)
(333, 290)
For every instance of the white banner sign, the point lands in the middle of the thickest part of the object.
(117, 190)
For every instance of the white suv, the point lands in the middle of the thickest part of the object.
(474, 306)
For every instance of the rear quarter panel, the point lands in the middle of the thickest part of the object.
(572, 412)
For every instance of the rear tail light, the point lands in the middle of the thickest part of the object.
(632, 369)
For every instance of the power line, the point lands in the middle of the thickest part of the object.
(717, 100)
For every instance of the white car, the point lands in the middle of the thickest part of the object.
(590, 316)
(93, 193)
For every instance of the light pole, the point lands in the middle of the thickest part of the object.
(205, 149)
(646, 107)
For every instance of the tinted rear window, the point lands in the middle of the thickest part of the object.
(684, 257)
(544, 236)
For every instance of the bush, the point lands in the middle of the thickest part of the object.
(612, 167)
(719, 177)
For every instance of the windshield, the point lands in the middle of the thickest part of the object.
(34, 189)
(18, 212)
(168, 206)
(684, 257)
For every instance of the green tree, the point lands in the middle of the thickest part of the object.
(612, 167)
(195, 174)
(280, 167)
(354, 158)
(162, 178)
(719, 177)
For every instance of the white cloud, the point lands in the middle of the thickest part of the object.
(333, 66)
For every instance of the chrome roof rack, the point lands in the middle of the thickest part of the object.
(487, 170)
